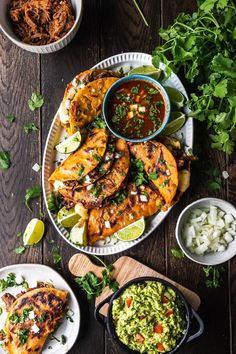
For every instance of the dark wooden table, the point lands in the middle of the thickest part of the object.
(108, 27)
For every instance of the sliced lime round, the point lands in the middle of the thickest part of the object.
(70, 144)
(174, 125)
(176, 97)
(147, 70)
(67, 218)
(34, 232)
(132, 231)
(78, 233)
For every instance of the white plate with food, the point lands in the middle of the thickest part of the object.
(63, 171)
(39, 310)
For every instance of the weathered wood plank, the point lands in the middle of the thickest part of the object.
(215, 338)
(57, 70)
(18, 79)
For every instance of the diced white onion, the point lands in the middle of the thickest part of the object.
(225, 174)
(133, 192)
(89, 187)
(142, 109)
(19, 279)
(35, 328)
(209, 230)
(31, 315)
(67, 104)
(117, 155)
(143, 198)
(36, 167)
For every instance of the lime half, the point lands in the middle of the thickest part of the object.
(174, 125)
(176, 97)
(70, 144)
(67, 218)
(78, 233)
(147, 70)
(34, 232)
(131, 232)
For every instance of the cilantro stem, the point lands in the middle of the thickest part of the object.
(101, 261)
(140, 12)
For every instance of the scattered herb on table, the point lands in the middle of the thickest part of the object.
(5, 161)
(55, 253)
(54, 202)
(32, 193)
(215, 182)
(177, 253)
(11, 118)
(63, 339)
(30, 127)
(213, 275)
(1, 311)
(36, 101)
(140, 12)
(69, 313)
(20, 250)
(202, 47)
(93, 286)
(19, 234)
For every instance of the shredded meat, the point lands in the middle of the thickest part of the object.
(9, 300)
(40, 22)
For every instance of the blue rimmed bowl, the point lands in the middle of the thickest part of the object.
(115, 87)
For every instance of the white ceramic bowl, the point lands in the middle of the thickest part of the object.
(209, 258)
(6, 27)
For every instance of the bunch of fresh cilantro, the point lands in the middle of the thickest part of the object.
(203, 47)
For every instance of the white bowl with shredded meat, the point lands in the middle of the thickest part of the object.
(40, 26)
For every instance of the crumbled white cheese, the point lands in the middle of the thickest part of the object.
(67, 104)
(31, 315)
(107, 224)
(117, 155)
(19, 279)
(35, 328)
(87, 179)
(143, 198)
(225, 174)
(58, 185)
(168, 172)
(36, 167)
(142, 109)
(64, 118)
(89, 187)
(75, 82)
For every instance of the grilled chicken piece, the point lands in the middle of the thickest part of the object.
(87, 103)
(107, 185)
(25, 335)
(8, 299)
(109, 219)
(77, 84)
(160, 165)
(84, 160)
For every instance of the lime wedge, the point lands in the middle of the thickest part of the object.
(174, 125)
(34, 232)
(176, 97)
(70, 144)
(175, 115)
(132, 231)
(67, 218)
(81, 211)
(147, 70)
(78, 233)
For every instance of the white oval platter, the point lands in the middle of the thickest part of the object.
(38, 272)
(56, 133)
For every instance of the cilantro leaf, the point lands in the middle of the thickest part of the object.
(5, 161)
(32, 193)
(36, 101)
(177, 253)
(54, 202)
(30, 127)
(20, 250)
(11, 118)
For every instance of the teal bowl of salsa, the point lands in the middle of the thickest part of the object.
(136, 108)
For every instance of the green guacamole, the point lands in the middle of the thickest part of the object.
(149, 317)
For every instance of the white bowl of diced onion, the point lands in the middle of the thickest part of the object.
(206, 231)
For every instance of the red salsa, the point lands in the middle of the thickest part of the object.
(136, 109)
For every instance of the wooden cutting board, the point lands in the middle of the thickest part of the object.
(125, 269)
